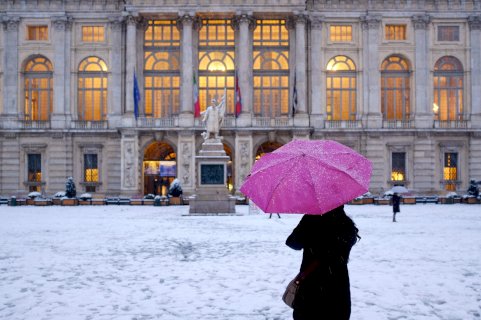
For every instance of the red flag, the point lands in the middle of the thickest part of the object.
(238, 101)
(196, 100)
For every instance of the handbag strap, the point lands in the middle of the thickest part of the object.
(310, 268)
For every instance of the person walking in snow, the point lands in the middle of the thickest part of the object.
(396, 201)
(326, 241)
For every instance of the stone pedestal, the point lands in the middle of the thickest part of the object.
(211, 195)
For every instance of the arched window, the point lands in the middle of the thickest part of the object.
(395, 88)
(216, 63)
(38, 78)
(271, 68)
(92, 89)
(448, 89)
(341, 89)
(162, 69)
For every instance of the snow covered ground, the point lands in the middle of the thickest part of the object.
(121, 262)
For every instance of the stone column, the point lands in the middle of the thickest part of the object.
(370, 25)
(59, 72)
(10, 70)
(115, 81)
(475, 39)
(301, 118)
(422, 106)
(318, 97)
(68, 73)
(130, 66)
(245, 23)
(186, 117)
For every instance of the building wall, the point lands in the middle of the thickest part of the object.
(120, 143)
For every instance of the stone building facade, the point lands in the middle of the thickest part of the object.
(397, 80)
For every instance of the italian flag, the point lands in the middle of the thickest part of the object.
(196, 100)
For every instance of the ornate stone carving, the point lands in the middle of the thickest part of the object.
(474, 22)
(371, 22)
(131, 19)
(184, 18)
(244, 160)
(316, 22)
(243, 18)
(129, 168)
(10, 23)
(186, 158)
(62, 23)
(421, 21)
(116, 23)
(301, 19)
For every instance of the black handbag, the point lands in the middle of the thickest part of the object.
(292, 289)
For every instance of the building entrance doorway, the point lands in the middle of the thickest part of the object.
(159, 168)
(266, 147)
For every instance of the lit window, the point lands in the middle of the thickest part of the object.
(448, 89)
(91, 170)
(341, 89)
(340, 33)
(93, 34)
(37, 33)
(450, 170)
(34, 171)
(395, 32)
(216, 63)
(395, 88)
(92, 89)
(448, 33)
(398, 166)
(271, 68)
(38, 88)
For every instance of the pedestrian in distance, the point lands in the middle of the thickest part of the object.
(326, 241)
(396, 201)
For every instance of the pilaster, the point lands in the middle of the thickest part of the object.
(186, 160)
(186, 24)
(115, 83)
(130, 66)
(372, 89)
(475, 39)
(10, 74)
(423, 115)
(318, 97)
(60, 26)
(245, 23)
(130, 169)
(301, 118)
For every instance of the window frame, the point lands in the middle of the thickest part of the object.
(82, 76)
(28, 26)
(403, 75)
(82, 40)
(437, 30)
(394, 25)
(32, 77)
(450, 76)
(340, 25)
(351, 75)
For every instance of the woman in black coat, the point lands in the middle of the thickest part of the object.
(326, 240)
(396, 201)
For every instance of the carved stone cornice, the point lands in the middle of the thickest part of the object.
(244, 18)
(371, 22)
(185, 19)
(421, 22)
(62, 23)
(132, 19)
(474, 22)
(316, 22)
(116, 22)
(10, 23)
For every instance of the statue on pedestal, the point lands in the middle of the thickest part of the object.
(213, 117)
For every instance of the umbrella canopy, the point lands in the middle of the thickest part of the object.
(307, 176)
(399, 189)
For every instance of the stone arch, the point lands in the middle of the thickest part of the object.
(159, 166)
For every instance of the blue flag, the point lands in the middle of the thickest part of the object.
(136, 96)
(294, 98)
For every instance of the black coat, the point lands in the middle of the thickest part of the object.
(327, 239)
(396, 200)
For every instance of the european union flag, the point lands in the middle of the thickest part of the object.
(136, 96)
